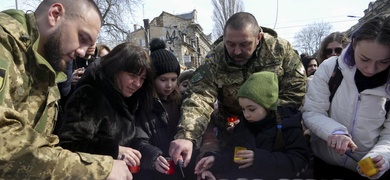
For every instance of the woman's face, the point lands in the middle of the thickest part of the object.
(129, 83)
(166, 83)
(252, 111)
(371, 57)
(333, 49)
(311, 67)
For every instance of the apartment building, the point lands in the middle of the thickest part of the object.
(182, 33)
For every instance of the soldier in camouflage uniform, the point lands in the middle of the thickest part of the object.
(245, 49)
(34, 49)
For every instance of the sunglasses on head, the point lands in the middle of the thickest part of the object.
(329, 51)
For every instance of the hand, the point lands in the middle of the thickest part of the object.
(76, 75)
(181, 149)
(161, 165)
(248, 157)
(381, 164)
(230, 129)
(206, 175)
(131, 156)
(341, 143)
(119, 171)
(204, 164)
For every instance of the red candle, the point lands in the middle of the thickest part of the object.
(230, 121)
(133, 169)
(171, 166)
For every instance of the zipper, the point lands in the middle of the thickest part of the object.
(165, 111)
(358, 100)
(354, 119)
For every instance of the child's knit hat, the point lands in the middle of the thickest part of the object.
(163, 60)
(262, 88)
(186, 74)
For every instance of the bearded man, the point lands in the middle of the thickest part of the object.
(34, 50)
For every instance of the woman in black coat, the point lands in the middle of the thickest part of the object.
(99, 116)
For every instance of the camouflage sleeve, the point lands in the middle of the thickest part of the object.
(198, 105)
(27, 154)
(293, 85)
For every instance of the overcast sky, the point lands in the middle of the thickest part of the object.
(287, 17)
(290, 15)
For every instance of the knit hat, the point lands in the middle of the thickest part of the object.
(163, 60)
(262, 88)
(186, 74)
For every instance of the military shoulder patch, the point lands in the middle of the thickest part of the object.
(200, 73)
(197, 77)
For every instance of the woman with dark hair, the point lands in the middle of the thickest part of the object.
(310, 64)
(332, 45)
(99, 116)
(355, 119)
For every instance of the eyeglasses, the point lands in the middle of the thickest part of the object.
(337, 50)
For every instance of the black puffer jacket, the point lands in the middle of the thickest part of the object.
(98, 119)
(156, 125)
(289, 162)
(161, 131)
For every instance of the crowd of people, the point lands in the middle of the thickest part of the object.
(71, 108)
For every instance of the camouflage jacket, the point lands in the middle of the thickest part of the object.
(219, 78)
(28, 110)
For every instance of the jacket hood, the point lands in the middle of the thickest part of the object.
(18, 15)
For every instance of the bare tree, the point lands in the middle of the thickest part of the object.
(309, 38)
(223, 9)
(116, 13)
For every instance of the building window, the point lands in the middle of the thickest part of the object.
(187, 59)
(142, 42)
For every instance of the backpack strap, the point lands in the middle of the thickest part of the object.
(335, 80)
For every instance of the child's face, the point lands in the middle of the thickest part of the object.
(166, 84)
(183, 86)
(252, 111)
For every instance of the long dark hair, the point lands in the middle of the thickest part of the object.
(130, 58)
(306, 61)
(376, 29)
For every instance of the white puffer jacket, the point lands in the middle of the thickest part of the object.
(361, 115)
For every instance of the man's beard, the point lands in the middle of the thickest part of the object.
(238, 63)
(53, 51)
